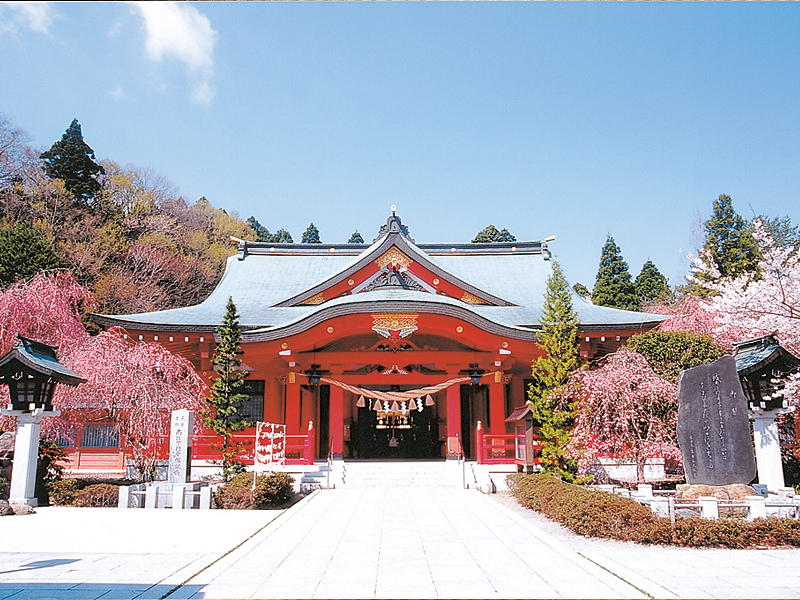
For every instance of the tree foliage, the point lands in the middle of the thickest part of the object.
(73, 161)
(263, 234)
(623, 410)
(613, 286)
(223, 416)
(311, 235)
(558, 337)
(24, 251)
(650, 284)
(729, 241)
(670, 352)
(490, 234)
(582, 291)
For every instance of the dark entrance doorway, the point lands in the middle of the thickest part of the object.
(415, 435)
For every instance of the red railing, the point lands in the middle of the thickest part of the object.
(299, 448)
(495, 449)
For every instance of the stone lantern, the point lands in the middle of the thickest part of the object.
(31, 371)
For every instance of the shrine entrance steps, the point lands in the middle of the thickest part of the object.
(406, 473)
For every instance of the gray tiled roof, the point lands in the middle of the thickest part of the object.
(264, 275)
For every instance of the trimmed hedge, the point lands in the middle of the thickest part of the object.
(592, 513)
(63, 492)
(270, 491)
(99, 494)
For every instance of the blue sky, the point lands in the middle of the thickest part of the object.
(575, 120)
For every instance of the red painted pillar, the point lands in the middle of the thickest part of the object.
(453, 420)
(336, 423)
(293, 425)
(479, 453)
(497, 410)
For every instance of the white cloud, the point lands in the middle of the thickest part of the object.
(37, 16)
(177, 30)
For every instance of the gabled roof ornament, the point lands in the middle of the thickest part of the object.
(393, 225)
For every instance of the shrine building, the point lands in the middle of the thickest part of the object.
(392, 349)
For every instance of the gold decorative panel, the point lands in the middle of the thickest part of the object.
(394, 322)
(394, 257)
(318, 299)
(471, 299)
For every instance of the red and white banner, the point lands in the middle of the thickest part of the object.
(270, 451)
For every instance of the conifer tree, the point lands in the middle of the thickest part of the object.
(613, 286)
(356, 238)
(650, 284)
(223, 416)
(24, 251)
(311, 235)
(72, 160)
(491, 234)
(729, 240)
(582, 291)
(283, 237)
(558, 338)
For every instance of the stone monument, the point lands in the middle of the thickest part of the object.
(713, 425)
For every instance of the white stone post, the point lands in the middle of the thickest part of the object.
(768, 449)
(708, 507)
(756, 507)
(178, 497)
(26, 455)
(124, 496)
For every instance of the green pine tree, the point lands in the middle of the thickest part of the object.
(582, 290)
(223, 416)
(650, 284)
(356, 238)
(311, 235)
(613, 286)
(283, 237)
(24, 251)
(730, 240)
(558, 338)
(72, 160)
(490, 234)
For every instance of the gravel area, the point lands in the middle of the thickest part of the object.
(559, 532)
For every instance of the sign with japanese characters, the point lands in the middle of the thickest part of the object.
(713, 425)
(270, 450)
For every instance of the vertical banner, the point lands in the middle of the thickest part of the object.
(270, 451)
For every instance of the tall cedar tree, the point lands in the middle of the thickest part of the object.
(729, 240)
(223, 416)
(559, 339)
(613, 286)
(490, 234)
(311, 235)
(356, 238)
(650, 284)
(72, 160)
(24, 251)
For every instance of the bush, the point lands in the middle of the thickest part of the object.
(270, 491)
(63, 492)
(99, 494)
(600, 514)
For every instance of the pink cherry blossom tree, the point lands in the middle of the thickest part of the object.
(623, 410)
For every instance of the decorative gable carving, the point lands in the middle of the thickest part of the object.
(395, 258)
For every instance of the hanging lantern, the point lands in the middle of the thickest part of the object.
(412, 405)
(361, 403)
(428, 400)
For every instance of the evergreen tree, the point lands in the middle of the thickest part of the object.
(781, 230)
(72, 160)
(24, 252)
(558, 338)
(613, 286)
(730, 241)
(582, 291)
(490, 234)
(311, 235)
(650, 284)
(262, 233)
(356, 238)
(223, 416)
(283, 237)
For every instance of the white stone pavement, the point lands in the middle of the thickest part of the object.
(359, 543)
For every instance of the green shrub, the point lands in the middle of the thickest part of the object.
(600, 514)
(99, 494)
(63, 492)
(270, 491)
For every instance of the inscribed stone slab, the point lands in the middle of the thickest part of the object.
(713, 426)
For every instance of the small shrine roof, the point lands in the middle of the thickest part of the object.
(41, 358)
(759, 353)
(274, 285)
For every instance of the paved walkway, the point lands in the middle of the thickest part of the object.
(359, 543)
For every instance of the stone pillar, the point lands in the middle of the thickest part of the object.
(180, 449)
(293, 406)
(453, 420)
(768, 450)
(335, 423)
(26, 455)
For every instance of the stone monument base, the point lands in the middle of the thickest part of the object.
(735, 492)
